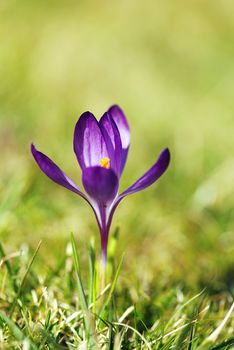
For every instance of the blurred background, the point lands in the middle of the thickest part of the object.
(169, 65)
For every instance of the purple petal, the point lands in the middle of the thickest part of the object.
(54, 172)
(113, 141)
(89, 143)
(101, 184)
(123, 127)
(152, 175)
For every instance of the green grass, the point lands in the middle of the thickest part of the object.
(169, 65)
(62, 311)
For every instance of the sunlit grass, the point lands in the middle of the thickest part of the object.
(58, 310)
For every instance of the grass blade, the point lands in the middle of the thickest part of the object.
(92, 287)
(114, 281)
(82, 297)
(88, 317)
(224, 344)
(16, 331)
(24, 278)
(9, 269)
(104, 308)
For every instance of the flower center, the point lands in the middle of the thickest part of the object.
(105, 162)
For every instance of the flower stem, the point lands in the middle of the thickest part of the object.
(102, 274)
(103, 262)
(104, 233)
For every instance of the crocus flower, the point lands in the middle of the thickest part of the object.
(101, 148)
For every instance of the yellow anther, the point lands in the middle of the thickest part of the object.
(105, 162)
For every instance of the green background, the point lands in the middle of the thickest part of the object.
(169, 65)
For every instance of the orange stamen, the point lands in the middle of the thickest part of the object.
(105, 162)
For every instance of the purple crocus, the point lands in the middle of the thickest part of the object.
(101, 149)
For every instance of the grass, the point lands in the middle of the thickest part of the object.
(169, 65)
(62, 311)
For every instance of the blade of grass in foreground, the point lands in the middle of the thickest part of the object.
(82, 296)
(187, 333)
(9, 269)
(114, 280)
(181, 307)
(24, 278)
(186, 336)
(88, 317)
(92, 278)
(224, 344)
(128, 327)
(215, 334)
(112, 288)
(16, 331)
